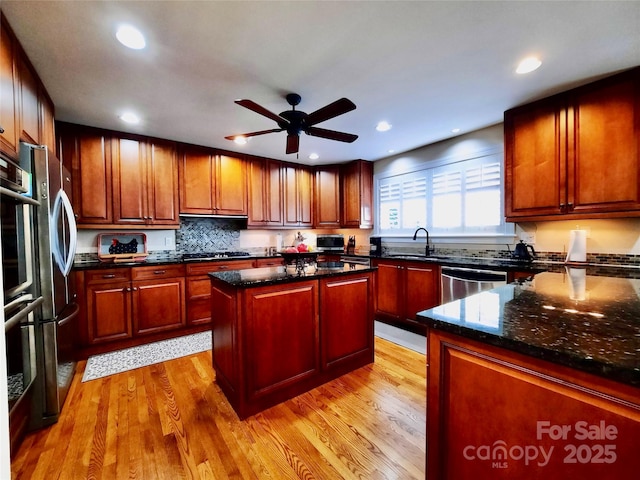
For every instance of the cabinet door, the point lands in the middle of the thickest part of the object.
(422, 288)
(298, 197)
(389, 290)
(47, 123)
(346, 337)
(535, 160)
(158, 305)
(129, 182)
(109, 312)
(230, 186)
(606, 170)
(29, 108)
(327, 197)
(282, 337)
(8, 106)
(89, 156)
(196, 170)
(357, 194)
(265, 193)
(162, 164)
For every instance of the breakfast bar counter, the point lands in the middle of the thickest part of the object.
(536, 378)
(277, 334)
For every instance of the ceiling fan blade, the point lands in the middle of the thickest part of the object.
(331, 134)
(334, 109)
(253, 134)
(293, 143)
(251, 105)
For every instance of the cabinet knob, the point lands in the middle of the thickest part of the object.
(109, 276)
(159, 272)
(126, 289)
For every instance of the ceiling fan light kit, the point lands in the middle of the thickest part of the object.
(295, 121)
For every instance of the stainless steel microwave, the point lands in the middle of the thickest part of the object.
(330, 243)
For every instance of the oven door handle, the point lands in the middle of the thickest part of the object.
(31, 303)
(64, 264)
(19, 197)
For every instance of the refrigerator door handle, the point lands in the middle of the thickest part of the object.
(64, 264)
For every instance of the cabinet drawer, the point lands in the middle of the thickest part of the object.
(269, 262)
(107, 275)
(206, 267)
(157, 271)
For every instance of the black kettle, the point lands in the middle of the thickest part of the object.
(521, 252)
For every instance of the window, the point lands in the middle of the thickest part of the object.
(456, 199)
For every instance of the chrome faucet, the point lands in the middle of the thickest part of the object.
(415, 236)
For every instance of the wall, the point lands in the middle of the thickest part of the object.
(615, 237)
(218, 234)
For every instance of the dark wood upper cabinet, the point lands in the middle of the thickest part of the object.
(9, 138)
(327, 197)
(357, 194)
(576, 154)
(145, 182)
(212, 184)
(298, 196)
(29, 107)
(265, 193)
(87, 154)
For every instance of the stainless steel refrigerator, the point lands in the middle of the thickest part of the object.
(56, 327)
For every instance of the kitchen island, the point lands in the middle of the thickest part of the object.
(277, 333)
(536, 379)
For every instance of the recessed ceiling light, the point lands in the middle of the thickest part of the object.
(383, 126)
(529, 64)
(314, 156)
(455, 130)
(130, 37)
(240, 140)
(129, 117)
(391, 151)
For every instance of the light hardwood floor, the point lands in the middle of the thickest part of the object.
(171, 421)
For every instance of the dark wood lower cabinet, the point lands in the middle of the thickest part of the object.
(158, 305)
(129, 306)
(404, 289)
(494, 413)
(271, 343)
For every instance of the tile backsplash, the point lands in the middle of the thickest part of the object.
(198, 235)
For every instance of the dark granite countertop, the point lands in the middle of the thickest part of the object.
(587, 322)
(272, 275)
(169, 260)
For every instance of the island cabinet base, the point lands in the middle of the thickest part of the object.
(273, 342)
(493, 413)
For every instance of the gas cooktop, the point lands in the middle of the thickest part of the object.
(213, 255)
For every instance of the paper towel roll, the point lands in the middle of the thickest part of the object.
(577, 283)
(577, 246)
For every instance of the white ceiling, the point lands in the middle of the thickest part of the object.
(425, 67)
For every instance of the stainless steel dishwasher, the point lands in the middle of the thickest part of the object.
(459, 282)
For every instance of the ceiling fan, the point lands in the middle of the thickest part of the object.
(295, 121)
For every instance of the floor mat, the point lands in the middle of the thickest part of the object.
(105, 364)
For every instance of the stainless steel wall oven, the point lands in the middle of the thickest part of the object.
(21, 298)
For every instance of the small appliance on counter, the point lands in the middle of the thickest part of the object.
(330, 243)
(521, 252)
(375, 246)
